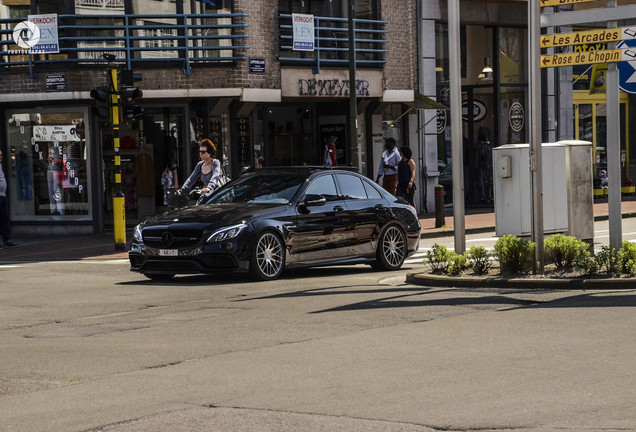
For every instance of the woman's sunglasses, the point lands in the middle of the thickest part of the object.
(203, 151)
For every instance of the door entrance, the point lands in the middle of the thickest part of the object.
(152, 154)
(590, 125)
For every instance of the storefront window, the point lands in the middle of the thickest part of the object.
(47, 165)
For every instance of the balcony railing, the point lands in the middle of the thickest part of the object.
(100, 4)
(135, 41)
(331, 46)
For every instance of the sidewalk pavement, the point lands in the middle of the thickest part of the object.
(483, 220)
(102, 245)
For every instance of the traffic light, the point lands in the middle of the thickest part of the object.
(128, 97)
(128, 77)
(101, 96)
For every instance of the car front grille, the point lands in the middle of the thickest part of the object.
(172, 238)
(205, 263)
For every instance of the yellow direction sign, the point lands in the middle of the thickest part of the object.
(561, 2)
(588, 57)
(588, 37)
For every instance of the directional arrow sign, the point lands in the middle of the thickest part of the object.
(561, 2)
(588, 57)
(588, 36)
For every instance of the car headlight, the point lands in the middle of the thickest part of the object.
(137, 233)
(226, 233)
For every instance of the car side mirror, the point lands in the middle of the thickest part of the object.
(312, 200)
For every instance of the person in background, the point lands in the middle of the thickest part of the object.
(406, 175)
(389, 166)
(4, 211)
(208, 169)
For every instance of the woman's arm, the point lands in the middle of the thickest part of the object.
(412, 168)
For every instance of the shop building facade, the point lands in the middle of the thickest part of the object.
(494, 79)
(223, 70)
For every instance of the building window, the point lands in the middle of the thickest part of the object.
(47, 164)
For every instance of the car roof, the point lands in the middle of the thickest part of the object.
(302, 169)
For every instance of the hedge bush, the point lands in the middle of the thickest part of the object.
(479, 259)
(515, 254)
(564, 250)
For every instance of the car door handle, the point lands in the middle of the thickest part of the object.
(379, 206)
(338, 208)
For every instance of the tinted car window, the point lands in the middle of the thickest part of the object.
(351, 187)
(372, 192)
(260, 189)
(323, 185)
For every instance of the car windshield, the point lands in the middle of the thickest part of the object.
(271, 188)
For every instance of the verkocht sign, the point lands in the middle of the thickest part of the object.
(303, 28)
(38, 35)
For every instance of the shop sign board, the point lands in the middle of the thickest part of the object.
(329, 83)
(56, 82)
(545, 3)
(588, 57)
(627, 70)
(257, 65)
(303, 32)
(479, 110)
(517, 116)
(588, 37)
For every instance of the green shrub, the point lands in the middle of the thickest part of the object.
(479, 259)
(606, 258)
(515, 255)
(437, 258)
(626, 258)
(456, 263)
(564, 250)
(588, 265)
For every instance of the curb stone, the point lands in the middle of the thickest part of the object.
(427, 279)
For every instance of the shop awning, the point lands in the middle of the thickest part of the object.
(423, 102)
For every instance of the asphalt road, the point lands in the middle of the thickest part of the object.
(88, 346)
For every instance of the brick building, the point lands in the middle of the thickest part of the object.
(219, 69)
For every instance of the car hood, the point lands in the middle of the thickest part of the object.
(216, 215)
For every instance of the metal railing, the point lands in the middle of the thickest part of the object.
(100, 4)
(135, 40)
(331, 43)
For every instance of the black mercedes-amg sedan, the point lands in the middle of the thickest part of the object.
(276, 218)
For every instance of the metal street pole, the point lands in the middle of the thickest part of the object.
(119, 209)
(457, 137)
(536, 159)
(613, 148)
(353, 105)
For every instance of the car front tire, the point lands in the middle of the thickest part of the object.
(391, 251)
(268, 257)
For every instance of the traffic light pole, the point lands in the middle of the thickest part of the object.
(119, 209)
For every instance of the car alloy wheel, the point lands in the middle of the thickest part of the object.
(268, 257)
(391, 249)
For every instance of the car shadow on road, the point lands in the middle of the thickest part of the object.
(193, 280)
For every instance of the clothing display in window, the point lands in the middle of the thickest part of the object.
(144, 173)
(168, 182)
(25, 186)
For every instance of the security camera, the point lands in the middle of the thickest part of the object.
(109, 57)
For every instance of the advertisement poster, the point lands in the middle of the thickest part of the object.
(303, 29)
(38, 35)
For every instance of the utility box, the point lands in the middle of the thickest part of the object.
(567, 203)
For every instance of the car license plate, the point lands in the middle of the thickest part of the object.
(168, 252)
